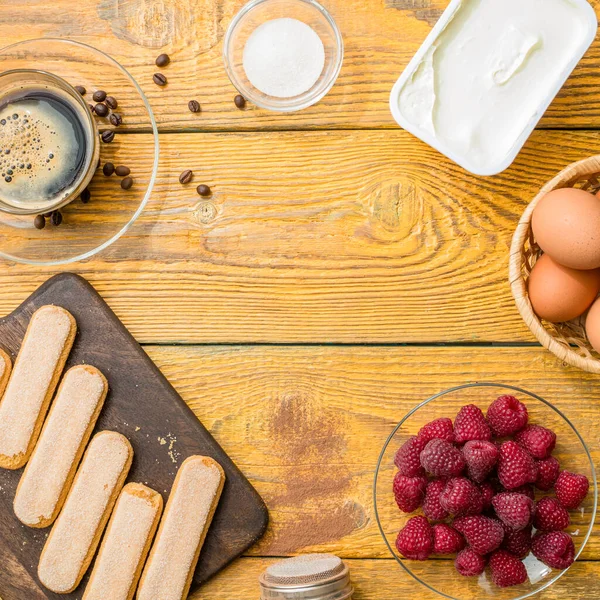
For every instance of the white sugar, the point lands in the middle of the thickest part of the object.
(284, 58)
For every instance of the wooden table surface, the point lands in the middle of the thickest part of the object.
(341, 272)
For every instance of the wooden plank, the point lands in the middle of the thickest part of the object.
(381, 36)
(306, 424)
(384, 579)
(315, 236)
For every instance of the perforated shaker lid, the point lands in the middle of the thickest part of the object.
(307, 577)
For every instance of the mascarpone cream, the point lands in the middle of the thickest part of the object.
(489, 74)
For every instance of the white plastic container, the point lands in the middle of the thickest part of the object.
(486, 74)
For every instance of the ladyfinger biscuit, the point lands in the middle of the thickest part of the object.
(76, 533)
(50, 471)
(38, 367)
(189, 512)
(126, 544)
(5, 368)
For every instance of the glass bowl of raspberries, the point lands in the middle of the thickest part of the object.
(485, 491)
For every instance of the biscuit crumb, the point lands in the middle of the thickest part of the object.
(173, 453)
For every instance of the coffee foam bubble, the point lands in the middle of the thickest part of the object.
(41, 150)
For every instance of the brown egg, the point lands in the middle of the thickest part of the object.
(592, 326)
(560, 294)
(566, 225)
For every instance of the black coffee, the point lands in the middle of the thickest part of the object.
(43, 145)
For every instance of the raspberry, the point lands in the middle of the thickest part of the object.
(481, 458)
(571, 489)
(432, 508)
(506, 569)
(470, 424)
(469, 563)
(550, 515)
(446, 540)
(554, 548)
(548, 470)
(442, 459)
(415, 539)
(526, 490)
(409, 491)
(483, 534)
(517, 542)
(516, 467)
(461, 497)
(506, 415)
(537, 440)
(407, 457)
(439, 429)
(514, 510)
(487, 493)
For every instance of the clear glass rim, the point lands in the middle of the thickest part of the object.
(143, 203)
(291, 107)
(490, 385)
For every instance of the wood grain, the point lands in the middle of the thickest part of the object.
(383, 580)
(315, 237)
(380, 36)
(307, 424)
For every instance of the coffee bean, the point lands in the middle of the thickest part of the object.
(194, 106)
(107, 136)
(186, 176)
(85, 196)
(111, 102)
(56, 218)
(101, 109)
(81, 90)
(122, 171)
(240, 101)
(127, 183)
(116, 119)
(108, 169)
(92, 108)
(39, 222)
(99, 96)
(159, 79)
(163, 60)
(203, 190)
(48, 215)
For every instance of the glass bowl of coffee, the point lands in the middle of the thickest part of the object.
(49, 146)
(78, 151)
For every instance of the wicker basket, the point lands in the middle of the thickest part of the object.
(567, 341)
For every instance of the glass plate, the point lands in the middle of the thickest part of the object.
(87, 228)
(439, 574)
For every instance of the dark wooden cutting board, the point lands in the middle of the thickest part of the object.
(143, 406)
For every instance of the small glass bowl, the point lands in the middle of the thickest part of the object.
(439, 574)
(257, 12)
